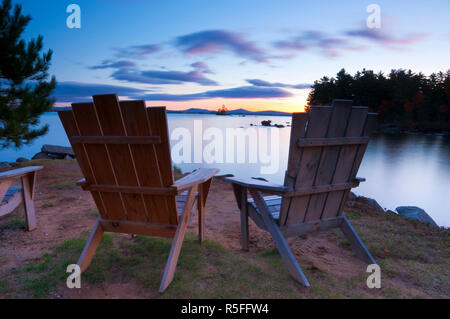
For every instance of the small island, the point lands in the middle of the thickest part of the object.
(222, 111)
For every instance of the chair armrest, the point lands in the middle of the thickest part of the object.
(258, 184)
(196, 177)
(19, 172)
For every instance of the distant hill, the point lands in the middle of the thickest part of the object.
(233, 112)
(203, 111)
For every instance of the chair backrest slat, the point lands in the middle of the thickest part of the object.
(87, 165)
(328, 158)
(345, 161)
(123, 164)
(308, 162)
(99, 158)
(158, 123)
(298, 130)
(111, 124)
(370, 124)
(321, 165)
(137, 123)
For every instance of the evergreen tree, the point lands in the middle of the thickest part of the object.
(404, 98)
(24, 88)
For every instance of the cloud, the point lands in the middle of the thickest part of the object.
(244, 92)
(202, 66)
(213, 41)
(333, 45)
(381, 37)
(107, 64)
(79, 92)
(137, 51)
(82, 92)
(161, 77)
(329, 45)
(262, 83)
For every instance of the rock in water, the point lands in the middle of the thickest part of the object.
(415, 212)
(21, 159)
(266, 123)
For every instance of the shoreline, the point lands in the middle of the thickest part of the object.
(384, 128)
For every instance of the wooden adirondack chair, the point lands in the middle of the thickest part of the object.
(326, 148)
(12, 196)
(123, 151)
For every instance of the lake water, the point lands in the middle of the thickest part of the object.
(400, 170)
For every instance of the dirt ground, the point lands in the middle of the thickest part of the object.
(64, 211)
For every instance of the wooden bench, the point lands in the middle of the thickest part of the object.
(12, 196)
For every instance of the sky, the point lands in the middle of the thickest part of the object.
(257, 55)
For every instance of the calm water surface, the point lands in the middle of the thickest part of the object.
(400, 169)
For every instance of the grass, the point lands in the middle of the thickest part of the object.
(414, 259)
(66, 184)
(13, 222)
(203, 270)
(92, 212)
(407, 250)
(3, 286)
(206, 270)
(46, 205)
(211, 271)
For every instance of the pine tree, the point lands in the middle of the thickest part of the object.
(24, 88)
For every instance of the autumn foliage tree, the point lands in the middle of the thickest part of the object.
(24, 86)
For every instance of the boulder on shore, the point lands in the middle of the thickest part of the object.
(352, 196)
(5, 165)
(59, 152)
(416, 213)
(40, 155)
(362, 202)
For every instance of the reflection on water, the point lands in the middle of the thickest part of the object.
(400, 170)
(409, 170)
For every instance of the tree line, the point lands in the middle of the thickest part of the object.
(403, 98)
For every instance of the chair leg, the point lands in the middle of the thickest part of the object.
(91, 246)
(241, 199)
(244, 220)
(356, 242)
(203, 191)
(177, 242)
(281, 244)
(201, 216)
(244, 230)
(27, 191)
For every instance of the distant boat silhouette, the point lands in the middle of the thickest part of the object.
(222, 111)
